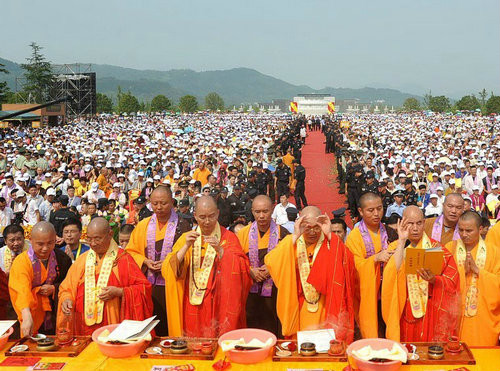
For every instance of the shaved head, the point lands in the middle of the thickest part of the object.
(470, 228)
(98, 224)
(413, 217)
(310, 212)
(471, 216)
(262, 200)
(43, 239)
(309, 225)
(162, 202)
(205, 202)
(42, 228)
(262, 210)
(162, 191)
(413, 211)
(453, 197)
(453, 207)
(99, 235)
(206, 214)
(371, 209)
(369, 196)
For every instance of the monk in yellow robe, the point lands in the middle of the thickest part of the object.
(151, 241)
(493, 236)
(257, 240)
(34, 280)
(314, 274)
(207, 278)
(104, 285)
(419, 307)
(369, 244)
(479, 268)
(444, 228)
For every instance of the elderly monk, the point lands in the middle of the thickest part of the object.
(314, 274)
(423, 306)
(34, 280)
(369, 244)
(444, 228)
(479, 268)
(151, 241)
(104, 285)
(257, 240)
(207, 278)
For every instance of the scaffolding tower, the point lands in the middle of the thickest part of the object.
(79, 82)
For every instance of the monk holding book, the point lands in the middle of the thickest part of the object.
(421, 306)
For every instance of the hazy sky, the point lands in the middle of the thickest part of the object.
(449, 46)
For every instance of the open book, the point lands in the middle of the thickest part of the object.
(431, 259)
(130, 330)
(6, 325)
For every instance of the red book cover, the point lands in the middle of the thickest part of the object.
(20, 361)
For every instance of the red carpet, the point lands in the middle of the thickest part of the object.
(321, 177)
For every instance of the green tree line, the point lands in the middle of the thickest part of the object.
(442, 103)
(128, 103)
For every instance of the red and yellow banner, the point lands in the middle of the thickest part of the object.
(331, 107)
(294, 108)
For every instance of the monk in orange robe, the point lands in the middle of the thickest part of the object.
(444, 228)
(314, 274)
(121, 293)
(493, 236)
(369, 244)
(102, 180)
(419, 307)
(479, 269)
(201, 174)
(207, 278)
(34, 280)
(288, 161)
(151, 241)
(257, 240)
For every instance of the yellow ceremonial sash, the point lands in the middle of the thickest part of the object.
(472, 291)
(418, 288)
(94, 307)
(310, 293)
(7, 259)
(200, 273)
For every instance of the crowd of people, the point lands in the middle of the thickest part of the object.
(191, 218)
(418, 159)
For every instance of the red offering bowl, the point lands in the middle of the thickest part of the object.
(454, 344)
(117, 350)
(376, 344)
(248, 356)
(196, 347)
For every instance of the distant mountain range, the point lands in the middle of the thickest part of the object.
(236, 86)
